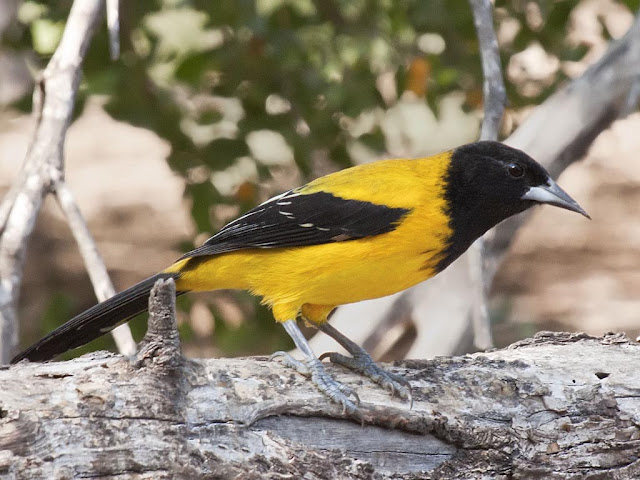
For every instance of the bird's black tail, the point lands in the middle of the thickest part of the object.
(94, 322)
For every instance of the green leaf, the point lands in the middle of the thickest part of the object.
(221, 153)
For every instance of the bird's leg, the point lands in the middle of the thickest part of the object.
(361, 361)
(312, 367)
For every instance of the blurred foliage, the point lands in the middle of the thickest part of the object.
(255, 96)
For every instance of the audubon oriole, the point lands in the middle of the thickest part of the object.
(360, 233)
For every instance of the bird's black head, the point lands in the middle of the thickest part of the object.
(488, 182)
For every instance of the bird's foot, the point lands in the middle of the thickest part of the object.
(362, 362)
(333, 389)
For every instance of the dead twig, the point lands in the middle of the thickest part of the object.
(495, 96)
(113, 25)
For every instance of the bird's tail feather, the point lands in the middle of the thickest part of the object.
(94, 322)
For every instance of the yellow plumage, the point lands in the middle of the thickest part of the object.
(336, 273)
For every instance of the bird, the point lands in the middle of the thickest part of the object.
(360, 233)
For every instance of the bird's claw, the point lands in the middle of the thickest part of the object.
(363, 363)
(291, 362)
(336, 391)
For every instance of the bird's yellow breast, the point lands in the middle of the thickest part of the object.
(346, 271)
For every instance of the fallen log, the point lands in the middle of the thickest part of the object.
(560, 405)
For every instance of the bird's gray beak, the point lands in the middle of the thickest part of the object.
(552, 194)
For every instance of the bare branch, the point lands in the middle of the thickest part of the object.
(495, 94)
(494, 100)
(43, 167)
(44, 161)
(113, 25)
(96, 268)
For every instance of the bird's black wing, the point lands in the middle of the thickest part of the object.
(296, 219)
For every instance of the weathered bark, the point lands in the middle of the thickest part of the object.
(557, 406)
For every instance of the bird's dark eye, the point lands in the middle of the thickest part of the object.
(515, 170)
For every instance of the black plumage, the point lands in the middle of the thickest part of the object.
(481, 191)
(296, 219)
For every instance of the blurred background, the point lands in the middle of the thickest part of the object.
(215, 106)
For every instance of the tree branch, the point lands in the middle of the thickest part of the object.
(43, 167)
(512, 413)
(113, 25)
(97, 270)
(495, 96)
